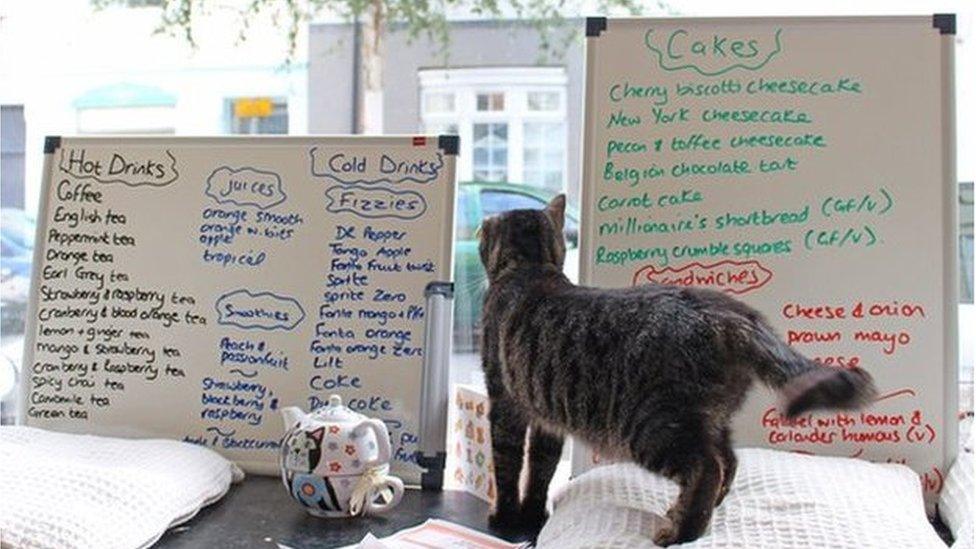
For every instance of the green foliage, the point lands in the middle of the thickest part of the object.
(418, 18)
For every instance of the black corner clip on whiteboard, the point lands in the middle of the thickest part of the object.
(945, 22)
(595, 26)
(52, 143)
(434, 398)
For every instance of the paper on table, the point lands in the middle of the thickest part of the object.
(436, 533)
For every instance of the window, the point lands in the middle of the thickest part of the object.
(466, 221)
(16, 255)
(490, 149)
(512, 122)
(966, 265)
(494, 202)
(491, 101)
(12, 137)
(966, 242)
(967, 311)
(543, 101)
(544, 160)
(257, 116)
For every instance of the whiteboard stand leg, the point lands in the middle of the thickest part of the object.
(432, 454)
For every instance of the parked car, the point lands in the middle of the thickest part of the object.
(475, 201)
(16, 255)
(10, 368)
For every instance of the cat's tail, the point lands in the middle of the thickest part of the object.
(805, 385)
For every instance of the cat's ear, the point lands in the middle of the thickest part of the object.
(316, 435)
(485, 243)
(556, 210)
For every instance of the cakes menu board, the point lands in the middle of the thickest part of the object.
(805, 166)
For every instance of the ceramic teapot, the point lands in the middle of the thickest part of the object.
(335, 461)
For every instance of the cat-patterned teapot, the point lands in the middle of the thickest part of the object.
(335, 461)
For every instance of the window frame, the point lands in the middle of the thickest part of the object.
(516, 83)
(492, 149)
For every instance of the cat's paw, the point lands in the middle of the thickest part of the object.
(677, 532)
(533, 517)
(504, 519)
(666, 535)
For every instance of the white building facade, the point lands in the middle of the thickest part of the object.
(73, 70)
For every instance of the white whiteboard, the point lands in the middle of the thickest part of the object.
(805, 165)
(261, 273)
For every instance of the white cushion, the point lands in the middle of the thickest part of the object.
(66, 491)
(779, 500)
(956, 501)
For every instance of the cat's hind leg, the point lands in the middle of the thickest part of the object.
(730, 464)
(685, 450)
(700, 483)
(545, 449)
(508, 429)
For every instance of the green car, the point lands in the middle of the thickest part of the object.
(475, 201)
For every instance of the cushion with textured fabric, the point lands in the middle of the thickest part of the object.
(956, 501)
(779, 500)
(71, 491)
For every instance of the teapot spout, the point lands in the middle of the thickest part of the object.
(292, 416)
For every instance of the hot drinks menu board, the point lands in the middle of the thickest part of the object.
(189, 288)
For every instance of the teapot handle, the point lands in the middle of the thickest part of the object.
(382, 441)
(385, 496)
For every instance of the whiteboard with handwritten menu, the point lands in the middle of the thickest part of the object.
(189, 288)
(806, 166)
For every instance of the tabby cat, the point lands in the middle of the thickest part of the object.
(651, 374)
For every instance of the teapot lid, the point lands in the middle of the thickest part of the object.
(335, 412)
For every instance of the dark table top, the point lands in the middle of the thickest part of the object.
(259, 512)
